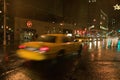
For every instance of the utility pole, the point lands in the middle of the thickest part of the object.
(4, 25)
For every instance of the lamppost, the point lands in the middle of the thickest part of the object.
(4, 25)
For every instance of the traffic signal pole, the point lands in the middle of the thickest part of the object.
(4, 25)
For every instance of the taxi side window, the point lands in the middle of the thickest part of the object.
(65, 39)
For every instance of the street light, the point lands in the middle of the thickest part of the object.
(4, 25)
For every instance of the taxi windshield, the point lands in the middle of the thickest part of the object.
(47, 39)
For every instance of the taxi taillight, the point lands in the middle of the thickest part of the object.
(44, 49)
(22, 47)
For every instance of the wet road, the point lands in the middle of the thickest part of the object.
(97, 62)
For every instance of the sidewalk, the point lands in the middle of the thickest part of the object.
(8, 49)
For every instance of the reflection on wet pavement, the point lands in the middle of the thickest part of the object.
(97, 62)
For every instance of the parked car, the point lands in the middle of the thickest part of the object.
(48, 46)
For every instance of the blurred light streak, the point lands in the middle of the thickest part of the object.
(90, 45)
(95, 43)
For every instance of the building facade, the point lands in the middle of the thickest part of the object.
(49, 16)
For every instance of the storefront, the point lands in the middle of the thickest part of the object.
(27, 34)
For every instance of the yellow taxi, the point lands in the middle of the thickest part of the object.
(48, 46)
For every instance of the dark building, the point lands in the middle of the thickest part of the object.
(76, 14)
(45, 10)
(97, 18)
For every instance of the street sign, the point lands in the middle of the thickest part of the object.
(29, 24)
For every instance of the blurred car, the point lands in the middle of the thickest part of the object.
(48, 46)
(81, 39)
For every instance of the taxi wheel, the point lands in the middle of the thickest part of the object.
(61, 53)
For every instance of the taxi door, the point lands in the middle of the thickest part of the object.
(68, 45)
